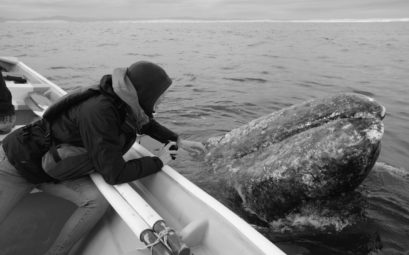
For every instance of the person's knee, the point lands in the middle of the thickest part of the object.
(94, 199)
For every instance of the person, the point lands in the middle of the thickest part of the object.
(104, 120)
(7, 114)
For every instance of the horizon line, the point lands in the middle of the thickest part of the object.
(187, 20)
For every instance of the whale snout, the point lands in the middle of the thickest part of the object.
(370, 105)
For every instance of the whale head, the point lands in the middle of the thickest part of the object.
(314, 150)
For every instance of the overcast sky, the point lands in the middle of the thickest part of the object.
(205, 9)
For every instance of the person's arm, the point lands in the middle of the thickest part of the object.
(6, 105)
(7, 111)
(159, 132)
(164, 135)
(99, 129)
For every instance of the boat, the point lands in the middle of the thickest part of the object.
(201, 222)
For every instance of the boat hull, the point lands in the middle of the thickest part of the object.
(175, 198)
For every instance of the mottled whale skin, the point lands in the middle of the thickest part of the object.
(313, 150)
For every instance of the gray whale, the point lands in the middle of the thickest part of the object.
(310, 151)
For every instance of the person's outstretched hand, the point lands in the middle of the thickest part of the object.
(192, 147)
(165, 155)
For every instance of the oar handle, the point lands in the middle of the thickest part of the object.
(153, 219)
(152, 241)
(172, 239)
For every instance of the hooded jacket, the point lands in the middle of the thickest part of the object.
(106, 127)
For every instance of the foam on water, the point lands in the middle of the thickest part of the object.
(299, 222)
(398, 171)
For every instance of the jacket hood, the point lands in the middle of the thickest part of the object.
(150, 82)
(119, 86)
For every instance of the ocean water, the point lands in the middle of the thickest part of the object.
(228, 73)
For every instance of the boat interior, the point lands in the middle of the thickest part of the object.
(34, 223)
(37, 219)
